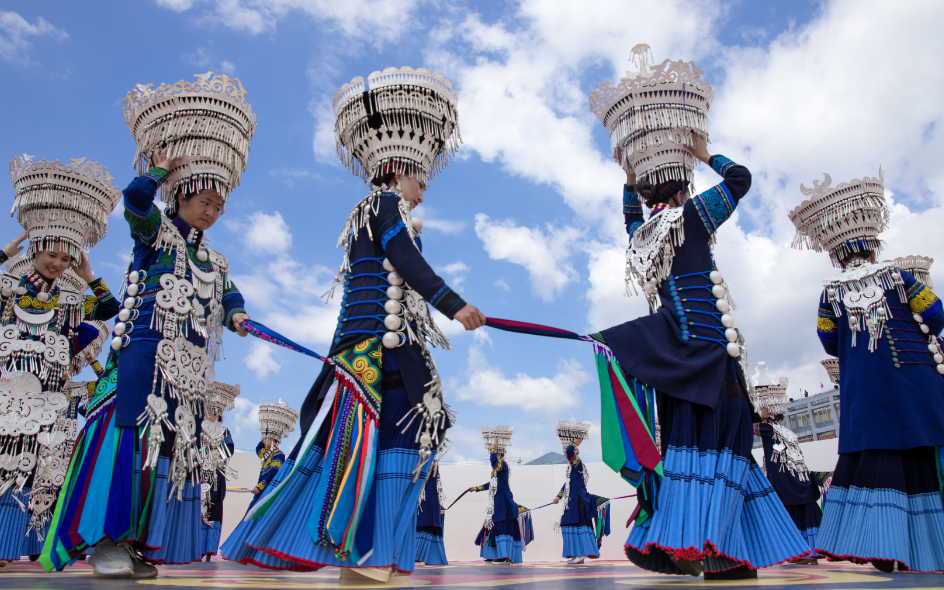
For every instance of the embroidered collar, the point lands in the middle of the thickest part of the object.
(659, 207)
(190, 234)
(38, 282)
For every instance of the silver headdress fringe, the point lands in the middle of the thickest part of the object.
(832, 368)
(645, 115)
(400, 120)
(206, 123)
(771, 393)
(498, 438)
(570, 431)
(277, 420)
(63, 206)
(862, 291)
(918, 266)
(843, 219)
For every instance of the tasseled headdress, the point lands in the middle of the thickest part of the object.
(497, 438)
(918, 266)
(570, 431)
(276, 420)
(222, 398)
(771, 392)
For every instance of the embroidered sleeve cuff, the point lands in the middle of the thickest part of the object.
(100, 289)
(479, 488)
(447, 301)
(720, 164)
(158, 174)
(229, 317)
(631, 201)
(261, 486)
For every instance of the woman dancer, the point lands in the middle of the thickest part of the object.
(42, 307)
(430, 548)
(378, 405)
(500, 537)
(884, 503)
(133, 487)
(580, 507)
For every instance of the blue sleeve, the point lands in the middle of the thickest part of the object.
(82, 336)
(233, 303)
(260, 449)
(142, 216)
(923, 302)
(395, 241)
(482, 488)
(632, 209)
(228, 441)
(716, 205)
(826, 327)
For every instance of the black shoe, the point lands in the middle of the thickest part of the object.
(34, 557)
(738, 573)
(81, 557)
(886, 566)
(207, 559)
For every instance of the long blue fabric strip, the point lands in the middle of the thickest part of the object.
(268, 334)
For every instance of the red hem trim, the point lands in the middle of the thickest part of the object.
(865, 560)
(692, 554)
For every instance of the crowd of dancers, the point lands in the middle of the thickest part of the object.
(142, 482)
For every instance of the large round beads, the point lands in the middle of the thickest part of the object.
(393, 322)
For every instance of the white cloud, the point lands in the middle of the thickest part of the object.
(227, 67)
(260, 359)
(457, 271)
(385, 19)
(14, 31)
(543, 254)
(486, 384)
(501, 284)
(265, 233)
(244, 419)
(432, 221)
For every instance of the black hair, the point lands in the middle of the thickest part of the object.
(385, 179)
(858, 254)
(654, 194)
(171, 210)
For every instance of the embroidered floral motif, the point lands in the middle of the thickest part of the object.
(714, 206)
(922, 300)
(721, 165)
(825, 325)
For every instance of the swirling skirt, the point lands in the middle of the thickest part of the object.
(13, 523)
(280, 538)
(807, 518)
(501, 543)
(885, 504)
(579, 541)
(714, 502)
(430, 548)
(210, 537)
(109, 493)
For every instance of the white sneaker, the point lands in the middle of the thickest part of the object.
(577, 560)
(140, 569)
(111, 560)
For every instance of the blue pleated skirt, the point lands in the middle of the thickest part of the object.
(13, 523)
(210, 537)
(714, 502)
(807, 518)
(430, 548)
(501, 543)
(886, 505)
(280, 539)
(579, 541)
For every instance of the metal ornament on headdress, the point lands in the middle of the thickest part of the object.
(843, 219)
(918, 266)
(832, 368)
(276, 420)
(570, 431)
(646, 116)
(771, 392)
(63, 206)
(207, 124)
(221, 398)
(498, 438)
(400, 120)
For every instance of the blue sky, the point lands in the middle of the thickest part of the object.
(526, 224)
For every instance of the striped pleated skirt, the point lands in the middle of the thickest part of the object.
(579, 541)
(807, 518)
(714, 502)
(502, 542)
(282, 537)
(885, 505)
(13, 523)
(210, 537)
(430, 548)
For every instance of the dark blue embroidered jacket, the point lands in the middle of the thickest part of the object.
(505, 506)
(430, 510)
(789, 488)
(890, 398)
(678, 349)
(136, 361)
(365, 292)
(581, 505)
(272, 460)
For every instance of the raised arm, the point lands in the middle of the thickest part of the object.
(714, 206)
(632, 205)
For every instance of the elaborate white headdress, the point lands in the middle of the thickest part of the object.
(222, 398)
(843, 219)
(569, 431)
(498, 438)
(832, 367)
(771, 392)
(64, 205)
(207, 123)
(646, 116)
(276, 420)
(399, 120)
(918, 266)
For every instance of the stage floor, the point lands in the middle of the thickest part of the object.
(607, 575)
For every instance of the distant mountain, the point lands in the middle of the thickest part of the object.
(549, 459)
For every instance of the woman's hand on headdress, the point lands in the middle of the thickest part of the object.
(160, 160)
(84, 269)
(700, 149)
(14, 247)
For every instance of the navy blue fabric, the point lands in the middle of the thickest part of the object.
(362, 311)
(136, 368)
(505, 506)
(884, 406)
(430, 511)
(581, 504)
(217, 496)
(791, 490)
(654, 348)
(502, 528)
